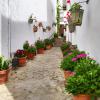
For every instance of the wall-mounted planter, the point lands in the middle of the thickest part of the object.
(40, 24)
(35, 28)
(77, 17)
(48, 28)
(44, 30)
(30, 21)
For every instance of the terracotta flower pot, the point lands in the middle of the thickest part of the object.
(40, 51)
(4, 75)
(48, 47)
(82, 97)
(26, 52)
(67, 74)
(30, 56)
(22, 61)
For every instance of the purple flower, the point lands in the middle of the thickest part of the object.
(74, 59)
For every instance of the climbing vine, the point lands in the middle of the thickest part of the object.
(58, 16)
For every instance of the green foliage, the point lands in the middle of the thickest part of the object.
(75, 7)
(31, 49)
(39, 44)
(4, 64)
(65, 46)
(88, 83)
(58, 16)
(26, 45)
(67, 63)
(48, 42)
(85, 65)
(55, 35)
(86, 80)
(77, 85)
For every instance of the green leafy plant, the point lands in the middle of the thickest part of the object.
(4, 64)
(87, 83)
(65, 46)
(77, 85)
(69, 63)
(55, 35)
(75, 6)
(26, 45)
(85, 65)
(31, 49)
(39, 44)
(48, 42)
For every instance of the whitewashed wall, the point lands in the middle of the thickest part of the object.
(88, 35)
(4, 34)
(18, 12)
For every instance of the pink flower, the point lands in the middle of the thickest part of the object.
(82, 55)
(74, 59)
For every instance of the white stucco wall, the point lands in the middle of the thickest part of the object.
(4, 42)
(20, 29)
(87, 36)
(18, 12)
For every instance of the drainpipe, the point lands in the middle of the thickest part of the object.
(9, 32)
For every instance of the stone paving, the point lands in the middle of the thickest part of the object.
(40, 79)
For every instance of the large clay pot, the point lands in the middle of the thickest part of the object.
(22, 61)
(30, 56)
(48, 47)
(40, 51)
(4, 75)
(67, 74)
(82, 97)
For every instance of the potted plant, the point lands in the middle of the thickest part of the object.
(65, 47)
(86, 82)
(20, 54)
(76, 14)
(40, 46)
(30, 20)
(48, 43)
(25, 47)
(35, 28)
(4, 70)
(48, 28)
(31, 52)
(69, 63)
(40, 24)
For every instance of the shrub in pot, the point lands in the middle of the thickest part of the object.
(65, 47)
(48, 43)
(31, 52)
(40, 46)
(68, 64)
(86, 82)
(25, 47)
(20, 54)
(4, 70)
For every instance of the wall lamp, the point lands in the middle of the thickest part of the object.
(87, 1)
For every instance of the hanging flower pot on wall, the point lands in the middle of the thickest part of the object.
(76, 14)
(30, 20)
(48, 28)
(40, 24)
(35, 28)
(44, 30)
